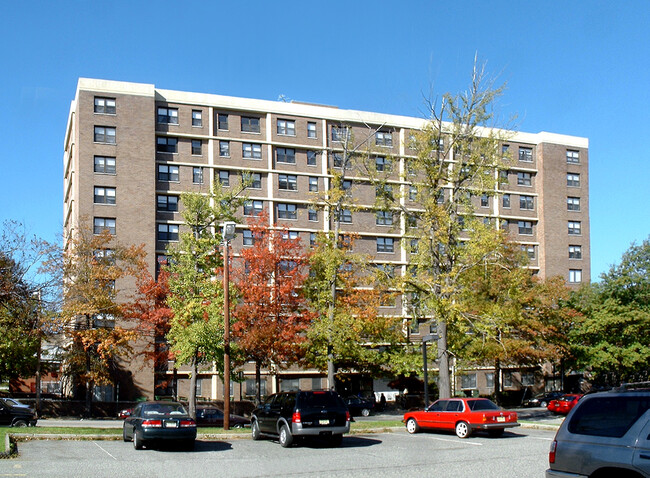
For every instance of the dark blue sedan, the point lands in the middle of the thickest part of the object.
(153, 421)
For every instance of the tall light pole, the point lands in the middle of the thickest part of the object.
(228, 233)
(425, 340)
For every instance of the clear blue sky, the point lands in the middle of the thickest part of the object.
(578, 68)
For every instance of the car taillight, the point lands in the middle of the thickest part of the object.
(152, 423)
(296, 417)
(188, 423)
(347, 416)
(551, 453)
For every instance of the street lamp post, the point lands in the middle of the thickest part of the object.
(425, 340)
(227, 235)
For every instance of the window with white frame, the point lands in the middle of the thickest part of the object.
(385, 244)
(167, 232)
(247, 237)
(311, 158)
(573, 203)
(224, 149)
(575, 276)
(384, 138)
(224, 178)
(196, 147)
(572, 156)
(529, 250)
(468, 381)
(252, 180)
(168, 173)
(313, 214)
(312, 238)
(505, 201)
(485, 201)
(313, 184)
(340, 133)
(104, 164)
(101, 224)
(166, 144)
(489, 380)
(382, 163)
(524, 179)
(345, 215)
(253, 207)
(525, 227)
(526, 202)
(311, 130)
(525, 154)
(104, 195)
(413, 193)
(167, 115)
(197, 175)
(573, 180)
(104, 134)
(575, 228)
(104, 105)
(384, 218)
(222, 122)
(197, 118)
(250, 124)
(251, 150)
(287, 211)
(288, 182)
(575, 252)
(286, 127)
(285, 155)
(527, 379)
(167, 203)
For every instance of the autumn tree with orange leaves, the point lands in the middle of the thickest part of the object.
(272, 315)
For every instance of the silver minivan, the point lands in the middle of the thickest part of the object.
(607, 434)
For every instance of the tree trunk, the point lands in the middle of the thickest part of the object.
(444, 380)
(497, 379)
(258, 383)
(192, 398)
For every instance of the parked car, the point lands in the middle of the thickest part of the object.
(606, 434)
(14, 403)
(159, 421)
(359, 405)
(300, 414)
(542, 399)
(16, 416)
(564, 404)
(124, 413)
(213, 417)
(462, 415)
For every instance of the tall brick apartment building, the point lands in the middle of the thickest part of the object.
(131, 149)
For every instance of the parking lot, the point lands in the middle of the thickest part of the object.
(519, 453)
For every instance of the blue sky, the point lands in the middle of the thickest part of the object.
(578, 68)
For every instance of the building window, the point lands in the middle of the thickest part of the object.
(337, 160)
(313, 184)
(384, 138)
(503, 177)
(104, 164)
(250, 124)
(253, 180)
(529, 251)
(382, 164)
(167, 203)
(573, 204)
(311, 158)
(340, 133)
(247, 237)
(528, 379)
(104, 106)
(104, 195)
(384, 218)
(526, 202)
(411, 221)
(197, 118)
(575, 252)
(167, 173)
(385, 244)
(104, 134)
(468, 381)
(384, 191)
(101, 224)
(413, 245)
(222, 122)
(311, 130)
(572, 156)
(287, 211)
(251, 151)
(575, 276)
(575, 228)
(524, 179)
(525, 227)
(313, 215)
(291, 235)
(345, 215)
(312, 239)
(165, 144)
(224, 149)
(505, 150)
(526, 154)
(167, 115)
(489, 380)
(253, 208)
(288, 182)
(485, 201)
(197, 175)
(285, 155)
(224, 178)
(413, 193)
(196, 147)
(167, 232)
(505, 201)
(573, 180)
(286, 127)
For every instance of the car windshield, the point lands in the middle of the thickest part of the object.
(477, 405)
(163, 410)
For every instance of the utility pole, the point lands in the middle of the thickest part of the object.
(227, 234)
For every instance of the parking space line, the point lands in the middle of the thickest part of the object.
(463, 442)
(104, 450)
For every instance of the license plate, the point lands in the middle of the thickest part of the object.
(501, 419)
(323, 422)
(171, 424)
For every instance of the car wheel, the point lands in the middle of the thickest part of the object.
(124, 437)
(19, 424)
(496, 433)
(137, 441)
(255, 430)
(463, 430)
(336, 440)
(285, 437)
(365, 412)
(412, 426)
(543, 404)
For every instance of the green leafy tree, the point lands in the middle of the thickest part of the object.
(612, 340)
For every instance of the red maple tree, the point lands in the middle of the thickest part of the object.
(272, 314)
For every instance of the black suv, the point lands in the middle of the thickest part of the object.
(301, 414)
(606, 434)
(16, 416)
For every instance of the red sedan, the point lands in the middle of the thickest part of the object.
(564, 404)
(463, 415)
